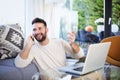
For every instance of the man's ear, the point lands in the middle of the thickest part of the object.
(47, 30)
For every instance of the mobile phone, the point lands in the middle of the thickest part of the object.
(32, 38)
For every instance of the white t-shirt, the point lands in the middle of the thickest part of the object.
(49, 57)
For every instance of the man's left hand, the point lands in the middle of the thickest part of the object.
(71, 37)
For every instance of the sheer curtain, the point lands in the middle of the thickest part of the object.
(49, 10)
(33, 8)
(53, 16)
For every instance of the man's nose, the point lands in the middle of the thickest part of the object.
(37, 31)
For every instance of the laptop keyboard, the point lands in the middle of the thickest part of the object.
(79, 69)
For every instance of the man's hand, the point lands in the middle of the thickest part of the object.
(31, 40)
(71, 37)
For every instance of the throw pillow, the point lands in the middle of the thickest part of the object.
(11, 40)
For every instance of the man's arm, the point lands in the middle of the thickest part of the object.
(78, 51)
(22, 59)
(75, 47)
(24, 54)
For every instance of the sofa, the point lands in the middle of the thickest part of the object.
(11, 43)
(8, 71)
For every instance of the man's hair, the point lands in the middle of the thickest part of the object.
(39, 20)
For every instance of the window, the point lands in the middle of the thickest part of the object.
(12, 11)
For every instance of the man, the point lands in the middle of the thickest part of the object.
(48, 53)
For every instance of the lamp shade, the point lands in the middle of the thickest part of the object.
(89, 28)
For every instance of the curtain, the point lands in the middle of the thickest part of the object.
(49, 10)
(33, 8)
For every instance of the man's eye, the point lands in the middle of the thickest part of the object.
(34, 29)
(39, 28)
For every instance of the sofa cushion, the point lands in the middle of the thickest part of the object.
(11, 41)
(9, 73)
(7, 62)
(7, 67)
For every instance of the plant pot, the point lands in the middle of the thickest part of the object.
(100, 28)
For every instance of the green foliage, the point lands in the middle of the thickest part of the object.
(93, 9)
(116, 12)
(81, 19)
(90, 10)
(81, 7)
(96, 11)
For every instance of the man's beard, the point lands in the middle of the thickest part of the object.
(42, 39)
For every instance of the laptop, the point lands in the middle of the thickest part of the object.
(95, 59)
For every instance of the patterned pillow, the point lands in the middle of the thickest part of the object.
(11, 41)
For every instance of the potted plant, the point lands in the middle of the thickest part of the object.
(100, 24)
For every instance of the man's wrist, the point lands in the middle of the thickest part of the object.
(75, 47)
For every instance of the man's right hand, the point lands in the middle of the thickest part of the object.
(31, 40)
